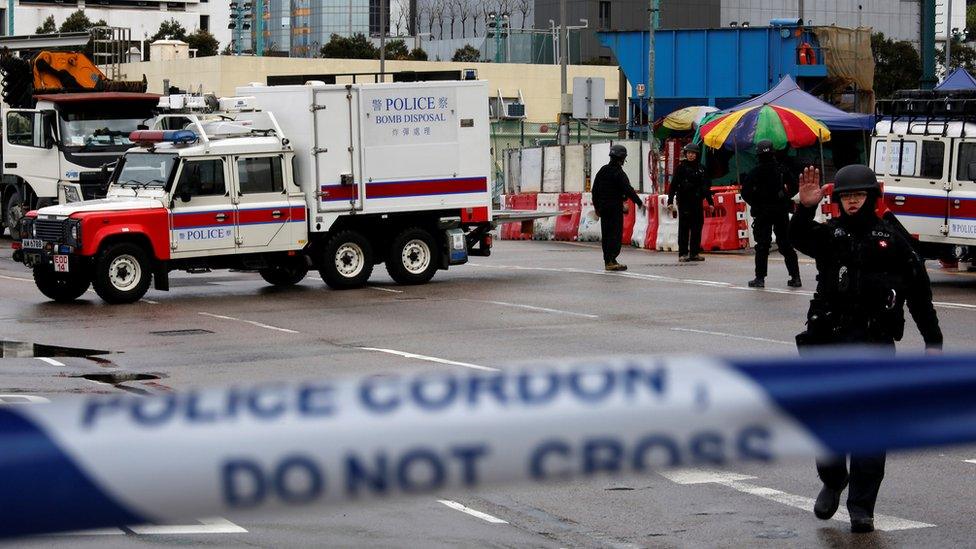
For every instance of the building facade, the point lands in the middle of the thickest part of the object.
(143, 17)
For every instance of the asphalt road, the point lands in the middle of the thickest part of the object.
(529, 300)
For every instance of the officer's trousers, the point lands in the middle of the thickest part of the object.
(611, 233)
(690, 223)
(763, 228)
(864, 479)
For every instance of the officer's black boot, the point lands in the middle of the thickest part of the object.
(757, 282)
(862, 525)
(827, 502)
(794, 282)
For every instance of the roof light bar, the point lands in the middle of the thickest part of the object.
(180, 137)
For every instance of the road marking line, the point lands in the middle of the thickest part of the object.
(381, 289)
(692, 281)
(723, 334)
(429, 358)
(23, 399)
(736, 482)
(473, 512)
(15, 278)
(50, 361)
(532, 308)
(251, 322)
(215, 525)
(98, 532)
(970, 460)
(149, 301)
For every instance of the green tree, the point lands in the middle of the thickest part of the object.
(963, 57)
(971, 17)
(47, 27)
(169, 30)
(897, 66)
(204, 42)
(397, 50)
(418, 54)
(467, 54)
(356, 47)
(79, 22)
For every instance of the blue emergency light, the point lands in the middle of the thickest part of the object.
(180, 137)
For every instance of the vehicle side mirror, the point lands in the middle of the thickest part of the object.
(971, 171)
(50, 129)
(185, 196)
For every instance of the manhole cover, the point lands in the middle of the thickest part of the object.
(188, 332)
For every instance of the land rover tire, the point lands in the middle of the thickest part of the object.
(121, 273)
(413, 257)
(286, 273)
(13, 210)
(346, 261)
(60, 287)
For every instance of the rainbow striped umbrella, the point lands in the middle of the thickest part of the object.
(784, 127)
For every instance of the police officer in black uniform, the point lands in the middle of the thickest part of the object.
(768, 189)
(611, 188)
(691, 186)
(867, 271)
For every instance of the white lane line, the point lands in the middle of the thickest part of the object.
(736, 336)
(970, 460)
(15, 278)
(737, 482)
(50, 361)
(382, 289)
(216, 525)
(533, 308)
(149, 301)
(692, 281)
(405, 354)
(23, 399)
(251, 322)
(473, 512)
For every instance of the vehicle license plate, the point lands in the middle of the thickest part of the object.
(60, 263)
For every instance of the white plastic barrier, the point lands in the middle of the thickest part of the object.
(545, 228)
(589, 227)
(667, 226)
(640, 225)
(575, 168)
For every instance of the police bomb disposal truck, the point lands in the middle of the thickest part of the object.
(332, 177)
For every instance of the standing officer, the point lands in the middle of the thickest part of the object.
(611, 188)
(691, 186)
(769, 189)
(867, 271)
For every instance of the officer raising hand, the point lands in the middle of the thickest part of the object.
(867, 271)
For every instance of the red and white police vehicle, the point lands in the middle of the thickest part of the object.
(281, 179)
(924, 152)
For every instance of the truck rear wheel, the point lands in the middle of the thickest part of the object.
(285, 274)
(60, 287)
(346, 261)
(122, 273)
(413, 257)
(13, 210)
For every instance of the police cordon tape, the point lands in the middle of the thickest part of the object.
(124, 460)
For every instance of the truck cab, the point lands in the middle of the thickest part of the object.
(924, 152)
(59, 150)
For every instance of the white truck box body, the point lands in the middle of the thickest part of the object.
(398, 147)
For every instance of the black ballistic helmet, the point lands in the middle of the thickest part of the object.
(764, 147)
(855, 177)
(618, 151)
(691, 148)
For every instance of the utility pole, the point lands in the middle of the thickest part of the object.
(564, 106)
(259, 25)
(652, 23)
(382, 40)
(948, 34)
(10, 18)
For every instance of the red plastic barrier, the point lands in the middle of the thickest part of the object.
(521, 230)
(567, 225)
(650, 238)
(726, 228)
(629, 219)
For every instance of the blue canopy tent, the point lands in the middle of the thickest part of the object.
(788, 94)
(959, 79)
